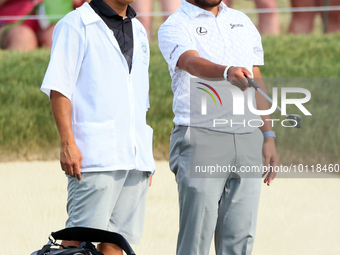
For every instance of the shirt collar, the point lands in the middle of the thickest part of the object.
(87, 14)
(108, 12)
(192, 11)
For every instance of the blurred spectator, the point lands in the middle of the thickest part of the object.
(145, 6)
(78, 3)
(303, 22)
(26, 35)
(15, 34)
(269, 23)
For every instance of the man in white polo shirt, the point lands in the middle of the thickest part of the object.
(98, 83)
(206, 39)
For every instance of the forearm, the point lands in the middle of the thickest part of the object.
(61, 109)
(192, 63)
(205, 69)
(70, 156)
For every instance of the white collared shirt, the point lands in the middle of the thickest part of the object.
(229, 39)
(109, 104)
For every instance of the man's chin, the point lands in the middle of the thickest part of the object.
(208, 3)
(127, 2)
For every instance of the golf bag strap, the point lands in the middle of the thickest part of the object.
(44, 249)
(82, 234)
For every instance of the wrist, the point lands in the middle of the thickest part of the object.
(225, 74)
(269, 134)
(67, 142)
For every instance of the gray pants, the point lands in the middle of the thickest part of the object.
(112, 201)
(226, 206)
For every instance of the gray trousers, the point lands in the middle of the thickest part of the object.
(112, 201)
(225, 206)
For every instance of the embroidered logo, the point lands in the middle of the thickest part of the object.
(236, 25)
(142, 31)
(201, 31)
(173, 51)
(145, 53)
(145, 49)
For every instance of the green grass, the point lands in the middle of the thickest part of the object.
(27, 128)
(26, 125)
(302, 56)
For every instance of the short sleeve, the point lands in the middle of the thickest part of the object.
(66, 56)
(173, 41)
(258, 55)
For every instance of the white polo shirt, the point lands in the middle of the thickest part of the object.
(229, 39)
(109, 104)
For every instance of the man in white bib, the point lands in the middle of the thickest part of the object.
(98, 83)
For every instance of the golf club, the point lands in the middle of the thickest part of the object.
(294, 119)
(325, 17)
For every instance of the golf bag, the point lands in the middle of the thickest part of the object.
(86, 236)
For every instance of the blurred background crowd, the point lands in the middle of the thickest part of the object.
(28, 24)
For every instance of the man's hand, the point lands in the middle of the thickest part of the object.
(71, 160)
(236, 76)
(150, 180)
(270, 159)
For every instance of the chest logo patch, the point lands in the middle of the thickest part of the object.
(236, 25)
(145, 53)
(201, 31)
(144, 48)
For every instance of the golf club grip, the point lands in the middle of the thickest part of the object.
(252, 83)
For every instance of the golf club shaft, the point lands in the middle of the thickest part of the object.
(255, 86)
(325, 17)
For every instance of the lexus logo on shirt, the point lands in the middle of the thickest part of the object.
(201, 31)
